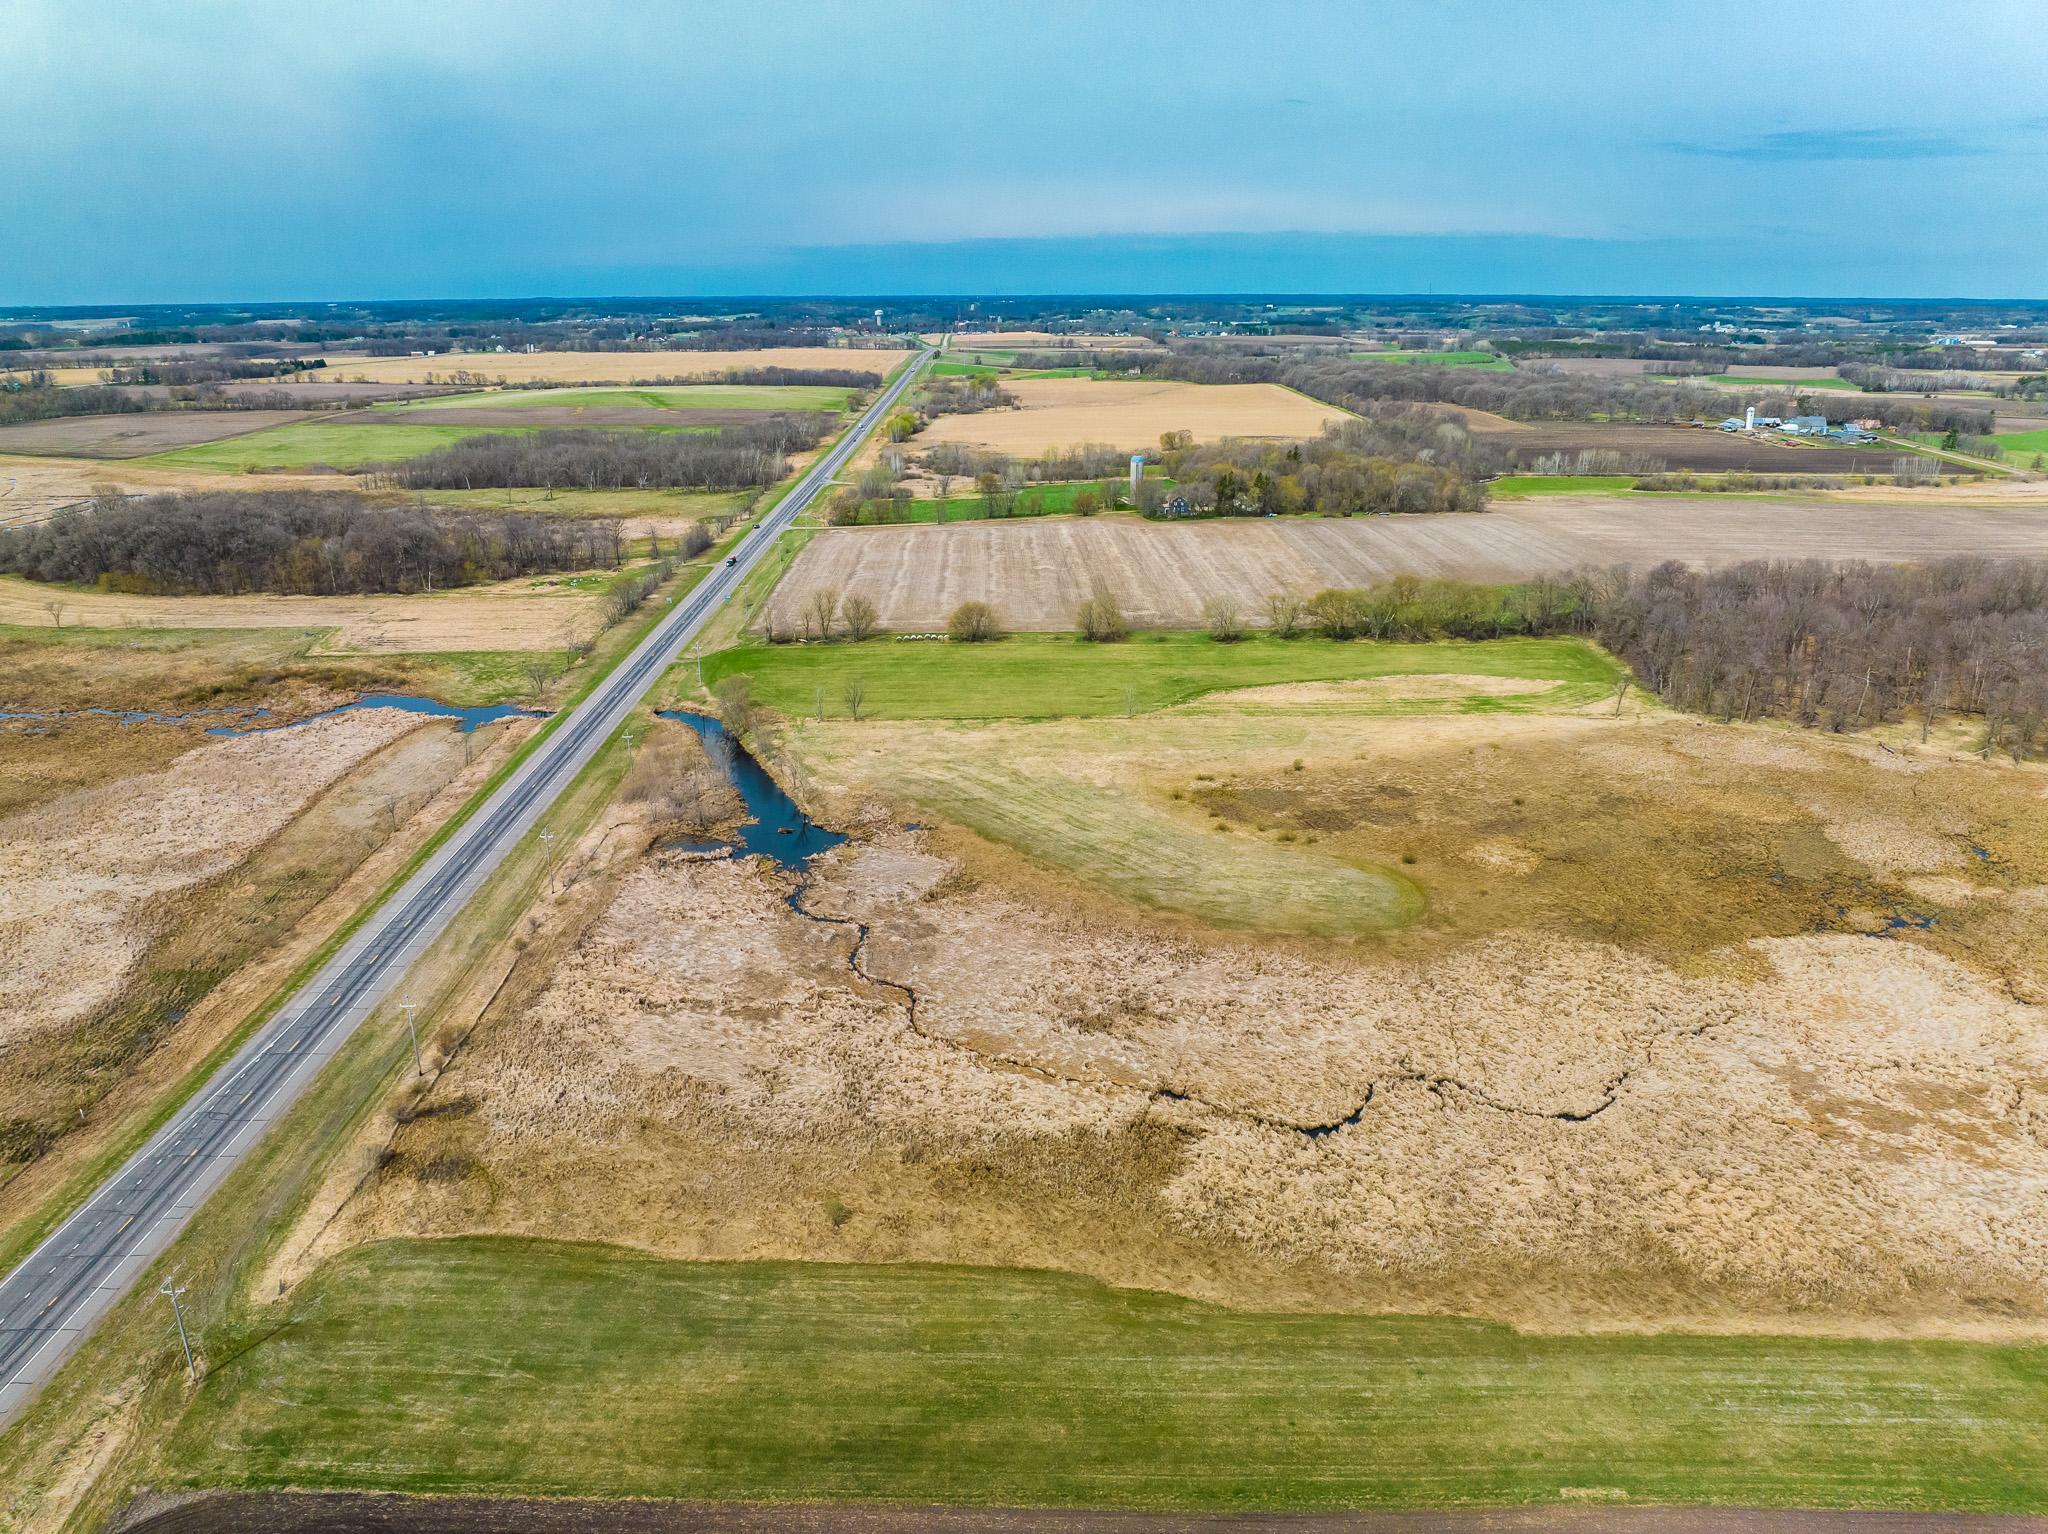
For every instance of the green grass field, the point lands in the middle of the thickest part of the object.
(537, 1368)
(1512, 486)
(2022, 444)
(1043, 676)
(1789, 385)
(1464, 359)
(328, 444)
(690, 397)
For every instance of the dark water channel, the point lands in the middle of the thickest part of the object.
(253, 721)
(777, 827)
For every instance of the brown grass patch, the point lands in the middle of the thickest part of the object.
(526, 614)
(1640, 1065)
(139, 434)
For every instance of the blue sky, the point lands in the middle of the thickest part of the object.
(216, 150)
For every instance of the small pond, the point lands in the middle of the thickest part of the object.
(778, 829)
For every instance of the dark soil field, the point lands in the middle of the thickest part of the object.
(138, 435)
(1685, 447)
(298, 1513)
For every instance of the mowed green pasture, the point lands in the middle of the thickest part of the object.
(776, 397)
(2022, 443)
(1045, 676)
(538, 1369)
(333, 445)
(1459, 359)
(1784, 385)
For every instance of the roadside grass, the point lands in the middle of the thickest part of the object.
(766, 397)
(1512, 486)
(1051, 676)
(1492, 361)
(533, 1368)
(130, 1357)
(611, 647)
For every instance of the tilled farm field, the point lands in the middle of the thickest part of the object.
(1034, 572)
(1130, 416)
(139, 434)
(1686, 447)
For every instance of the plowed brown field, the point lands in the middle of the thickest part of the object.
(1035, 571)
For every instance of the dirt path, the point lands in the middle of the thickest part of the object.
(348, 1513)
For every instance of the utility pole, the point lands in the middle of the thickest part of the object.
(171, 1290)
(410, 1008)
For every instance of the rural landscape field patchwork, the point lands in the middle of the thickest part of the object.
(1021, 909)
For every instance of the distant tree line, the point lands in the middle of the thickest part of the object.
(967, 394)
(37, 399)
(729, 458)
(206, 370)
(295, 542)
(1530, 393)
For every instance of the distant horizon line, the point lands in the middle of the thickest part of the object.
(26, 313)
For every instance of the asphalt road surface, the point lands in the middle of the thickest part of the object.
(53, 1299)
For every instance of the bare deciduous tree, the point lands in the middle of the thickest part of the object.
(1224, 622)
(820, 609)
(854, 694)
(860, 616)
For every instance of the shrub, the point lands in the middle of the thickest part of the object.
(1100, 618)
(972, 623)
(1221, 617)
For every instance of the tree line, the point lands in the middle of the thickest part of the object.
(727, 458)
(297, 543)
(1400, 463)
(1529, 393)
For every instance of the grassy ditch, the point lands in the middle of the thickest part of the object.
(543, 1368)
(1050, 676)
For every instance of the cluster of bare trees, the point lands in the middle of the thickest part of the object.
(1402, 463)
(1839, 645)
(37, 399)
(295, 542)
(1082, 460)
(967, 395)
(826, 616)
(731, 457)
(207, 370)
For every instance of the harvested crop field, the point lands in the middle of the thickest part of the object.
(137, 434)
(541, 614)
(1719, 1027)
(541, 417)
(33, 489)
(1060, 412)
(1684, 447)
(1035, 571)
(606, 367)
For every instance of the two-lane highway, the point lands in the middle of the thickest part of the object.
(50, 1301)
